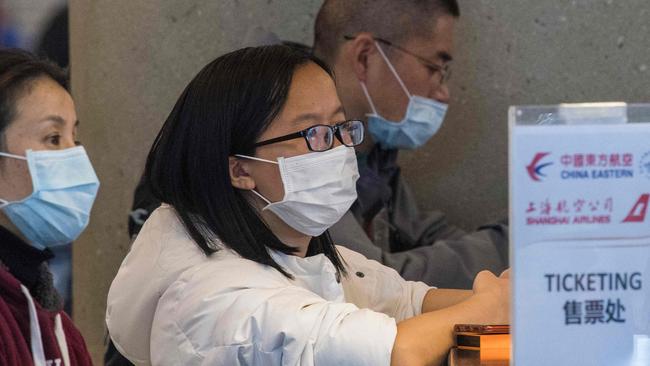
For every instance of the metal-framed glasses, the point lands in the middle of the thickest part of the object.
(321, 137)
(439, 74)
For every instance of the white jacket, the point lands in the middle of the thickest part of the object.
(171, 305)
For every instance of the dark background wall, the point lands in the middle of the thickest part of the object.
(131, 59)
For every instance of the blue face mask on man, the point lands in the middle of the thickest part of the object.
(58, 210)
(421, 121)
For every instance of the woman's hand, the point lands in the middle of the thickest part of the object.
(494, 294)
(427, 338)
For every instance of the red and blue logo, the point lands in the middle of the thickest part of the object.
(535, 168)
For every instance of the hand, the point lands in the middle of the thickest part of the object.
(494, 294)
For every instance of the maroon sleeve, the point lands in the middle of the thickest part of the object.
(13, 348)
(15, 334)
(79, 354)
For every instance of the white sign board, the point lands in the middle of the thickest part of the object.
(580, 239)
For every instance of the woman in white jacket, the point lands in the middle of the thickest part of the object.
(255, 162)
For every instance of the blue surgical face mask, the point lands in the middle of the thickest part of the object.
(421, 121)
(65, 186)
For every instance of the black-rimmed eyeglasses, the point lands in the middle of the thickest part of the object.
(321, 137)
(440, 74)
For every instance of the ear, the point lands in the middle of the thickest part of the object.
(239, 177)
(363, 45)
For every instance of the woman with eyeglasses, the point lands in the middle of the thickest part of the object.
(254, 164)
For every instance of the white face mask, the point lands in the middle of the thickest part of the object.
(319, 188)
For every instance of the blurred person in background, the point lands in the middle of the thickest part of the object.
(8, 34)
(54, 41)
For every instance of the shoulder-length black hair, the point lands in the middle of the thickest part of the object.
(222, 112)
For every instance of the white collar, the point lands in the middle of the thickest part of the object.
(315, 273)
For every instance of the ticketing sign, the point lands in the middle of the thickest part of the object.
(580, 236)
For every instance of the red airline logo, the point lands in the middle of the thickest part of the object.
(637, 214)
(535, 168)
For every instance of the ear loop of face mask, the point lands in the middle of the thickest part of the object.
(264, 161)
(4, 202)
(393, 71)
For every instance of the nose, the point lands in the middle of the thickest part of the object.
(441, 94)
(336, 139)
(68, 142)
(336, 143)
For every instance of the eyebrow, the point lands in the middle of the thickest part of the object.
(305, 117)
(58, 120)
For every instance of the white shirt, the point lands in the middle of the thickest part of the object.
(171, 305)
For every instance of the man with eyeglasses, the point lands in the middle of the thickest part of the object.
(392, 62)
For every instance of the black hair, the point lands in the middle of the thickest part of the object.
(222, 112)
(18, 70)
(394, 20)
